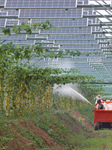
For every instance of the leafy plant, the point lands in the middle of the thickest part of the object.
(6, 31)
(28, 27)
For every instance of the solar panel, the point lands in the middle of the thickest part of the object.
(76, 42)
(12, 12)
(50, 13)
(81, 46)
(86, 1)
(25, 42)
(86, 30)
(41, 4)
(71, 37)
(14, 37)
(2, 22)
(3, 13)
(65, 22)
(37, 38)
(2, 2)
(44, 41)
(11, 22)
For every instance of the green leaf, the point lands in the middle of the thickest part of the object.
(6, 31)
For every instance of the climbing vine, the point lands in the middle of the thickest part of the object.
(24, 87)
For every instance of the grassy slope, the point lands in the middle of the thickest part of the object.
(52, 131)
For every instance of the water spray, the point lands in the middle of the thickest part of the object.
(66, 90)
(79, 96)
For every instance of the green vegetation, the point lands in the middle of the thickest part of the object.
(87, 111)
(25, 88)
(27, 27)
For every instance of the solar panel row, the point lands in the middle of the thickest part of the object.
(40, 3)
(74, 32)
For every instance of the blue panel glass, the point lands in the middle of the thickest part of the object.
(2, 22)
(14, 37)
(2, 2)
(75, 42)
(80, 46)
(41, 4)
(3, 13)
(51, 13)
(11, 22)
(86, 30)
(12, 12)
(65, 22)
(71, 37)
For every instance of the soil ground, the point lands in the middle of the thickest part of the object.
(83, 120)
(21, 141)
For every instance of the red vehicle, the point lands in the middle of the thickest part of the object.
(103, 118)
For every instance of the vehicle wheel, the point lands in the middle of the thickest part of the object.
(100, 126)
(97, 125)
(107, 125)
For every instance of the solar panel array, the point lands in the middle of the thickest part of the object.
(80, 25)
